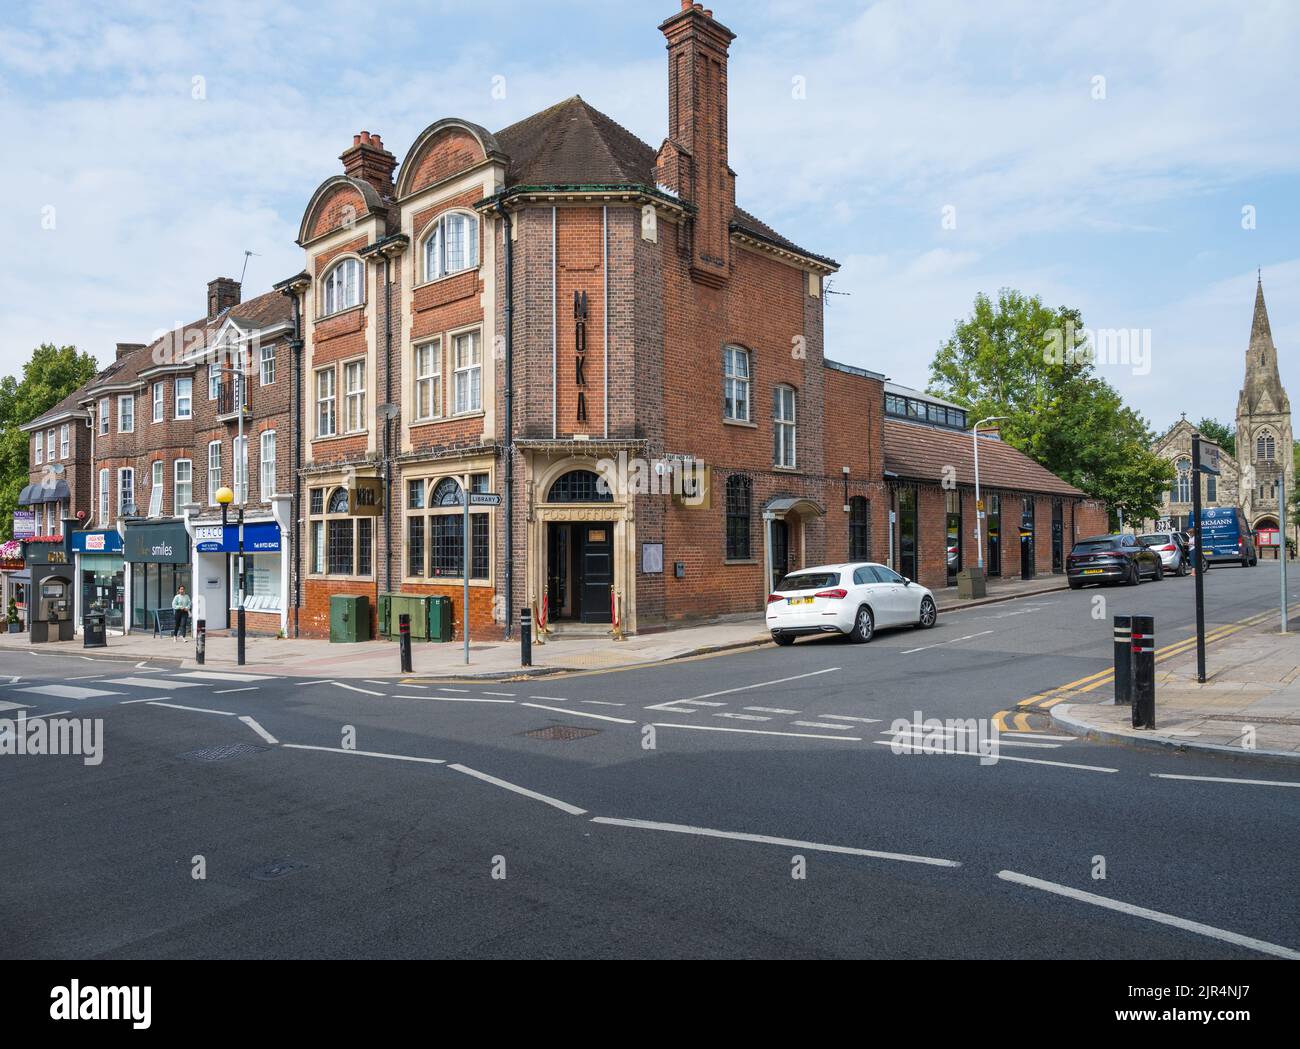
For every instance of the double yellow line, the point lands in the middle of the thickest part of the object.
(1044, 701)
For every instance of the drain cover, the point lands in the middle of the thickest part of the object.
(564, 733)
(279, 869)
(222, 752)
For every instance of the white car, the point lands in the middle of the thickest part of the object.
(853, 599)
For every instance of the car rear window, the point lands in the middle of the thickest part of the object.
(809, 580)
(1156, 539)
(1099, 547)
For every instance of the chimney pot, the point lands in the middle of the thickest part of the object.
(356, 140)
(368, 161)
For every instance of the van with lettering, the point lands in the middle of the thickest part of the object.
(1226, 538)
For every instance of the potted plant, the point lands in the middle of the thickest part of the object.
(15, 624)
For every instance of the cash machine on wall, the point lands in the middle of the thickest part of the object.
(50, 601)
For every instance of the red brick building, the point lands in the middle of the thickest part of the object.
(568, 317)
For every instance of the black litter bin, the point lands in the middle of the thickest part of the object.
(93, 632)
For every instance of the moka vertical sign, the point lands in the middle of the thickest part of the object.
(580, 347)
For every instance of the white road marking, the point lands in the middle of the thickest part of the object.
(372, 681)
(668, 708)
(150, 699)
(764, 839)
(552, 699)
(701, 703)
(742, 717)
(45, 714)
(756, 731)
(196, 710)
(217, 675)
(353, 688)
(151, 682)
(403, 684)
(1001, 757)
(499, 693)
(227, 691)
(1227, 779)
(68, 691)
(563, 806)
(1199, 928)
(603, 703)
(762, 684)
(845, 717)
(579, 713)
(366, 754)
(464, 699)
(13, 706)
(822, 724)
(15, 679)
(940, 644)
(1036, 735)
(443, 689)
(773, 710)
(258, 729)
(910, 737)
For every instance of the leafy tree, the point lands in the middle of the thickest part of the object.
(1220, 433)
(1021, 359)
(52, 373)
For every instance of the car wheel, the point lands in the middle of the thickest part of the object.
(929, 614)
(1076, 584)
(1205, 566)
(1182, 567)
(1134, 575)
(1160, 571)
(864, 626)
(782, 638)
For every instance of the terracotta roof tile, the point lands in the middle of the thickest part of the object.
(921, 453)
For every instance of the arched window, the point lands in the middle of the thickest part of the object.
(740, 493)
(579, 486)
(338, 503)
(451, 245)
(447, 493)
(338, 544)
(1265, 448)
(735, 383)
(859, 529)
(1183, 483)
(342, 287)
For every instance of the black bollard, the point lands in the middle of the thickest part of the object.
(200, 640)
(1144, 672)
(404, 641)
(525, 637)
(1123, 659)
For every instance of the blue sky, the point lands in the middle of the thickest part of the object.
(1128, 206)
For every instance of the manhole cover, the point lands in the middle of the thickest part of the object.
(222, 752)
(564, 733)
(279, 869)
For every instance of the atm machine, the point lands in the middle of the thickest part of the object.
(52, 611)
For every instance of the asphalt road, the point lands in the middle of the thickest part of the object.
(670, 827)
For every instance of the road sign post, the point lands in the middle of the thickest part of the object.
(1200, 558)
(404, 641)
(471, 499)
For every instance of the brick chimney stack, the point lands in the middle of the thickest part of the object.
(223, 293)
(693, 159)
(123, 348)
(369, 161)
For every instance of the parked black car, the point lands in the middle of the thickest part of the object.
(1112, 559)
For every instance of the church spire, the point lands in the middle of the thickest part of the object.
(1262, 390)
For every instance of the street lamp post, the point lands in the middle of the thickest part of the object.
(225, 497)
(979, 505)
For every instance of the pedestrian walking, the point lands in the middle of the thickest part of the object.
(181, 608)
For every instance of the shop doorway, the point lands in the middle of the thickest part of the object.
(1026, 538)
(579, 571)
(1058, 537)
(995, 536)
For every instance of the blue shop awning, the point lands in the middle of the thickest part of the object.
(34, 494)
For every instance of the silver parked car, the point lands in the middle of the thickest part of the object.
(1172, 548)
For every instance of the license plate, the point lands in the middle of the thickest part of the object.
(800, 600)
(1093, 571)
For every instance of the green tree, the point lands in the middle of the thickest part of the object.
(1220, 433)
(52, 373)
(1021, 359)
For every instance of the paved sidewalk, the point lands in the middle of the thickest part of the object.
(562, 652)
(1252, 689)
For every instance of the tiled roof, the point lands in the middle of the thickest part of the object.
(573, 144)
(70, 403)
(921, 453)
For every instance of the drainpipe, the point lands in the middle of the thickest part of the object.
(388, 425)
(509, 406)
(295, 543)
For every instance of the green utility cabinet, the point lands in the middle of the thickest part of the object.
(430, 616)
(349, 618)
